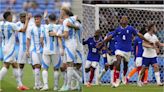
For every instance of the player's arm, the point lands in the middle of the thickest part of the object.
(28, 42)
(61, 46)
(69, 24)
(85, 41)
(158, 43)
(145, 44)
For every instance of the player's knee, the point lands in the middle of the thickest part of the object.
(7, 65)
(111, 67)
(37, 66)
(21, 66)
(118, 58)
(156, 67)
(106, 67)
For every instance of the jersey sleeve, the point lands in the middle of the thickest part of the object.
(42, 32)
(29, 32)
(86, 41)
(15, 27)
(134, 31)
(66, 28)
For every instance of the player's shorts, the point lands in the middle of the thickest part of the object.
(88, 64)
(22, 58)
(124, 54)
(111, 59)
(149, 61)
(9, 54)
(70, 54)
(36, 58)
(138, 61)
(51, 59)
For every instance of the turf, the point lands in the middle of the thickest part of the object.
(9, 84)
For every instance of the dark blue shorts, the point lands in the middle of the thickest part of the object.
(149, 61)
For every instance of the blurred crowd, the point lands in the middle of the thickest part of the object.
(33, 6)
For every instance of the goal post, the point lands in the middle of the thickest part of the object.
(106, 17)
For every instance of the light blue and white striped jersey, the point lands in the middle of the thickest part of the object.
(34, 33)
(21, 37)
(8, 30)
(79, 32)
(71, 32)
(51, 45)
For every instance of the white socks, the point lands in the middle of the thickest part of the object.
(45, 77)
(69, 76)
(65, 78)
(17, 74)
(37, 76)
(56, 78)
(3, 72)
(157, 76)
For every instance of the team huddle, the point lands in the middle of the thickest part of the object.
(58, 42)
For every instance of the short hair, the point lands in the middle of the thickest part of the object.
(22, 14)
(37, 15)
(71, 13)
(6, 14)
(150, 26)
(52, 17)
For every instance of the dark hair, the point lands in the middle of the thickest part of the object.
(22, 14)
(150, 26)
(71, 13)
(52, 17)
(37, 15)
(143, 30)
(6, 14)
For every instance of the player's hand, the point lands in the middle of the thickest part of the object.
(69, 24)
(28, 54)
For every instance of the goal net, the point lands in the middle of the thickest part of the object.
(106, 17)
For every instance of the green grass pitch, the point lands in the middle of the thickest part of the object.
(9, 84)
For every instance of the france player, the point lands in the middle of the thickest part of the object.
(124, 35)
(51, 51)
(150, 53)
(138, 51)
(93, 55)
(34, 48)
(109, 56)
(70, 47)
(8, 29)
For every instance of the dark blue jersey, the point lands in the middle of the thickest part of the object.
(93, 53)
(138, 48)
(112, 43)
(124, 37)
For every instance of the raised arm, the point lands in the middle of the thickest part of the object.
(26, 23)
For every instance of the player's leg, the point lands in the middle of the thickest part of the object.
(145, 78)
(145, 65)
(156, 70)
(45, 66)
(63, 69)
(36, 59)
(57, 63)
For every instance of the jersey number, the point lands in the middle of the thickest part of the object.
(124, 37)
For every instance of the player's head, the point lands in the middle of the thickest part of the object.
(151, 27)
(124, 20)
(52, 17)
(71, 13)
(38, 19)
(143, 30)
(97, 33)
(22, 17)
(7, 16)
(65, 12)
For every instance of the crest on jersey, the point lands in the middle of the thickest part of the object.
(127, 31)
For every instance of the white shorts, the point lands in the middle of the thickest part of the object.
(124, 54)
(88, 64)
(22, 58)
(36, 58)
(111, 59)
(70, 54)
(51, 59)
(138, 61)
(9, 54)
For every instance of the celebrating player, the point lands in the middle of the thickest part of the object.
(51, 51)
(124, 35)
(34, 48)
(150, 53)
(93, 55)
(8, 31)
